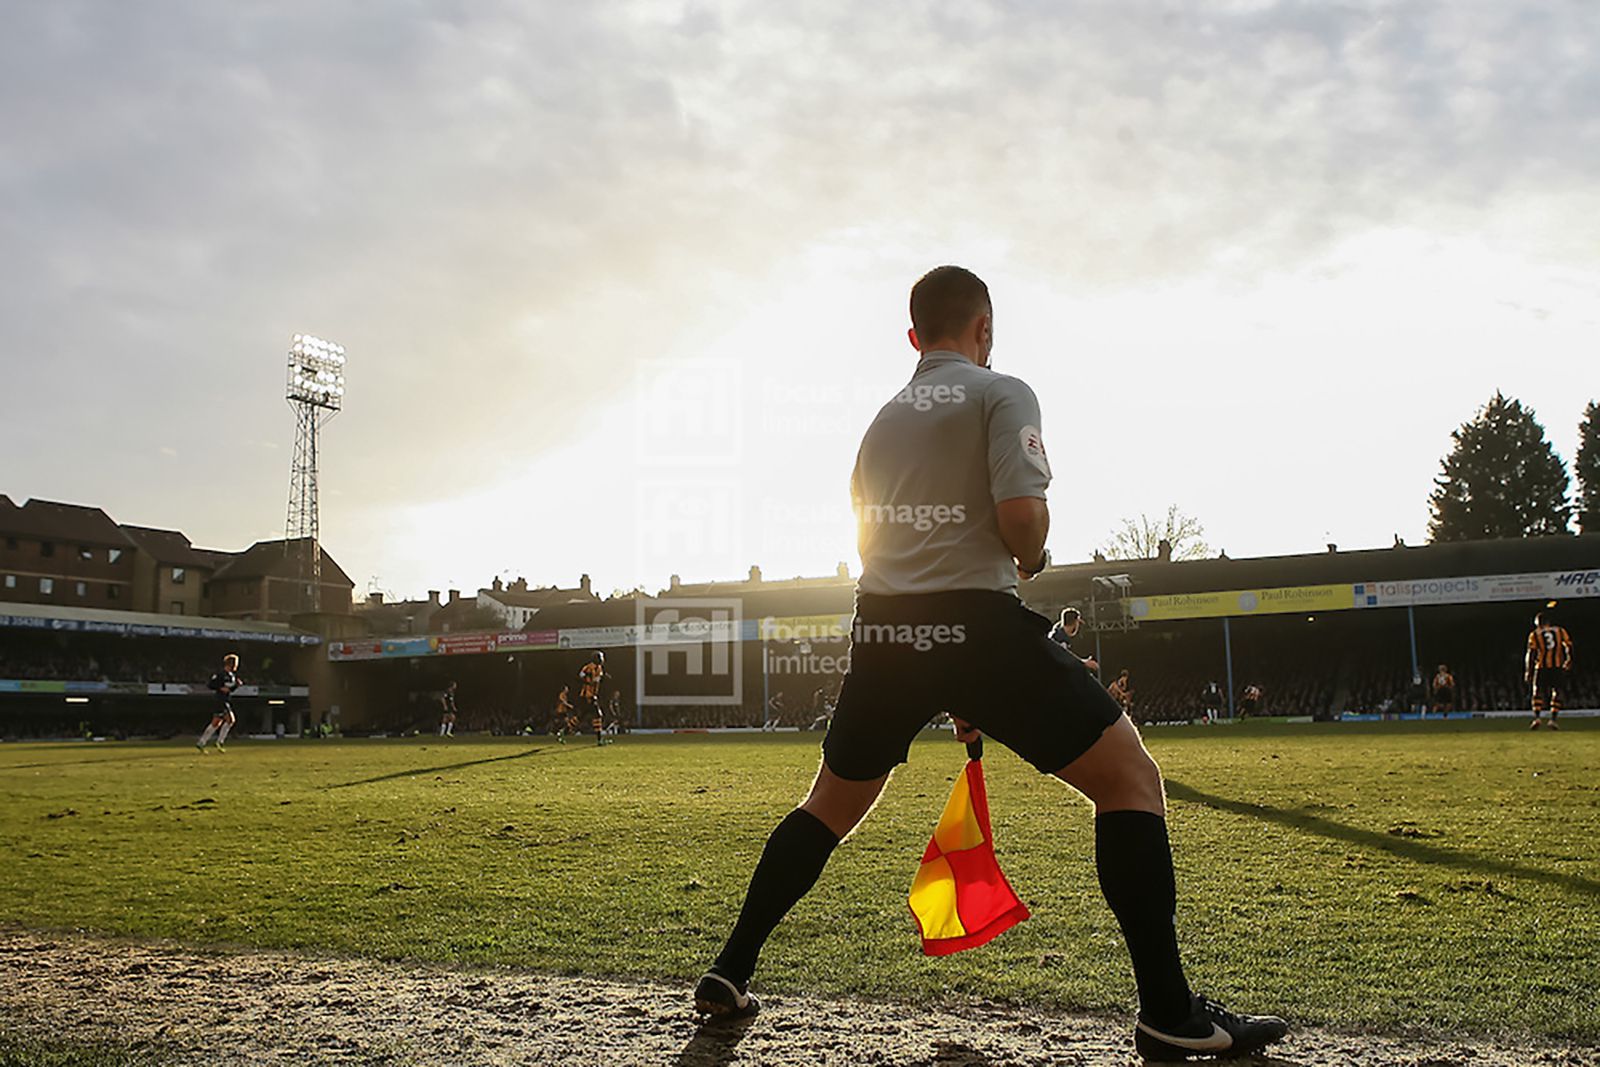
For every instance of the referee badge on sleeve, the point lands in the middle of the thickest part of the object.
(1033, 449)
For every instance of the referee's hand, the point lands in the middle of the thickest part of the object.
(966, 733)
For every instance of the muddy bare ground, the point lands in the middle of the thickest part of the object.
(187, 1006)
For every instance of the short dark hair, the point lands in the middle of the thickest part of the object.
(1070, 615)
(944, 300)
(1539, 618)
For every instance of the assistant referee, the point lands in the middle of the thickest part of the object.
(949, 489)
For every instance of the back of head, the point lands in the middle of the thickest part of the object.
(944, 301)
(230, 661)
(1541, 619)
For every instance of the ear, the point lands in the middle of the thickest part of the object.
(911, 335)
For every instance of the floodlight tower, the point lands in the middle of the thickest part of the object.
(316, 392)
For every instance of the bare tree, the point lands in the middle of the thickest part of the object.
(1141, 538)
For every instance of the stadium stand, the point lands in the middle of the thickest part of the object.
(1319, 665)
(68, 672)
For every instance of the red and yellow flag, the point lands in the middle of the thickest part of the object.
(960, 898)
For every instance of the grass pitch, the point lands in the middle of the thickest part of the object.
(1445, 875)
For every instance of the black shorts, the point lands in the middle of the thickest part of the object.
(979, 655)
(1551, 680)
(1444, 695)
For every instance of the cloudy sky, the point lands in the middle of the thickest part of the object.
(622, 283)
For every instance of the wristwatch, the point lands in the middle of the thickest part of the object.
(1033, 572)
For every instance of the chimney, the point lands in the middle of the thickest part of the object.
(1164, 550)
(674, 581)
(455, 595)
(433, 597)
(520, 585)
(583, 584)
(497, 585)
(844, 570)
(755, 574)
(375, 599)
(1332, 547)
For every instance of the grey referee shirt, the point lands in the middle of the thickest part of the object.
(954, 442)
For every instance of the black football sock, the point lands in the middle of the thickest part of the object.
(795, 855)
(1134, 860)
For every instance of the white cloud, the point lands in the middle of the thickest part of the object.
(499, 207)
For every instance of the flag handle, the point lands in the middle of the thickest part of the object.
(975, 749)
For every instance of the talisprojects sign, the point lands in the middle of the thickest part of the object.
(1479, 589)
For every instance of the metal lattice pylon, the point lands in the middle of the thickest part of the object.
(303, 523)
(316, 392)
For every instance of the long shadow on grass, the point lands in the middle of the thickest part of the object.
(1406, 848)
(103, 759)
(414, 771)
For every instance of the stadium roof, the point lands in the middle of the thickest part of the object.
(755, 602)
(1512, 555)
(1070, 583)
(267, 559)
(53, 520)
